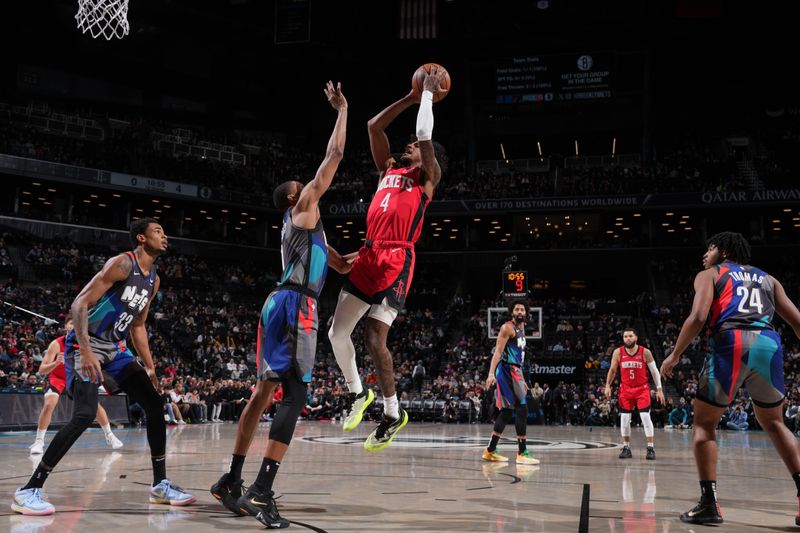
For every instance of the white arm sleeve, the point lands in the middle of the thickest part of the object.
(654, 371)
(425, 117)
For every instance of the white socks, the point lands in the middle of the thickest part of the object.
(106, 429)
(391, 407)
(40, 433)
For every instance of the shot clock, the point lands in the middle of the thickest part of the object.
(515, 284)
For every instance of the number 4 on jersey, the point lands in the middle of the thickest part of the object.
(385, 202)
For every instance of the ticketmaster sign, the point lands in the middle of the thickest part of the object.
(568, 370)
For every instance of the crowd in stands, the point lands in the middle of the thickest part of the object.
(130, 147)
(203, 336)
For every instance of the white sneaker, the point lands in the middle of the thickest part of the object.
(181, 423)
(37, 448)
(113, 441)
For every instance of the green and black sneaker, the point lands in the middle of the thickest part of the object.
(381, 438)
(359, 407)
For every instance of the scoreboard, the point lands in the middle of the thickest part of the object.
(515, 284)
(554, 78)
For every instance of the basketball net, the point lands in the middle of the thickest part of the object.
(108, 18)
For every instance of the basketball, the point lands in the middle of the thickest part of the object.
(418, 79)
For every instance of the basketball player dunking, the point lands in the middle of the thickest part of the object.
(287, 330)
(112, 307)
(634, 389)
(52, 366)
(384, 268)
(737, 302)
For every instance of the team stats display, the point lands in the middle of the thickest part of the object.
(554, 78)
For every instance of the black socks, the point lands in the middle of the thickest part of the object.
(708, 491)
(38, 478)
(266, 475)
(159, 469)
(237, 462)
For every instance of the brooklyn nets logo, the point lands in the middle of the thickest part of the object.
(465, 442)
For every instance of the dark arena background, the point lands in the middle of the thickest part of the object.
(593, 149)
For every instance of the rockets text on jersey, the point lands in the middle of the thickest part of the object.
(398, 207)
(633, 368)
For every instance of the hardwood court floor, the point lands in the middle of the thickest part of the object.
(430, 479)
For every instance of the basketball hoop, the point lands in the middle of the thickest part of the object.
(108, 18)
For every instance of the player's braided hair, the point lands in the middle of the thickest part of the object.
(732, 245)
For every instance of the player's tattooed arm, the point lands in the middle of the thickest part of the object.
(116, 269)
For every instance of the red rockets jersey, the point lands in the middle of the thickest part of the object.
(633, 368)
(59, 372)
(398, 207)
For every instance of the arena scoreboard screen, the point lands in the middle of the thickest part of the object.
(515, 284)
(554, 78)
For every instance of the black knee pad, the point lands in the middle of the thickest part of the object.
(521, 422)
(136, 384)
(294, 401)
(84, 404)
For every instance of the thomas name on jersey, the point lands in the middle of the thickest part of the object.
(396, 181)
(135, 300)
(747, 276)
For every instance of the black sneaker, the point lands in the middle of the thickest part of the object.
(651, 454)
(227, 492)
(625, 453)
(703, 513)
(262, 506)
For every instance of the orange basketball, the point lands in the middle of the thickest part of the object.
(418, 79)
